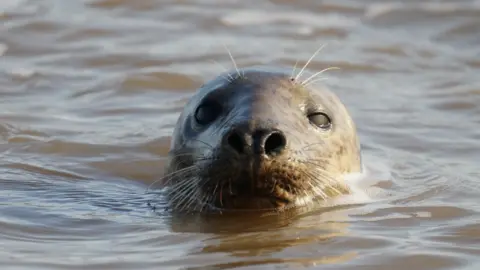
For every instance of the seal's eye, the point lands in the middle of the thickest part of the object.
(320, 119)
(207, 112)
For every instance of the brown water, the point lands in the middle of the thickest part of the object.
(90, 91)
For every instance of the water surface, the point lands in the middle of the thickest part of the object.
(91, 89)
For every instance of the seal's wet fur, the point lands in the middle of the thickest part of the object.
(259, 149)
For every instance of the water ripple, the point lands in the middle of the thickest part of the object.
(91, 90)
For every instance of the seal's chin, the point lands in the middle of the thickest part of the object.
(253, 202)
(242, 197)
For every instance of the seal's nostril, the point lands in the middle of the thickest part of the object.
(236, 142)
(264, 142)
(274, 143)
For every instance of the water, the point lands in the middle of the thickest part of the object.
(90, 91)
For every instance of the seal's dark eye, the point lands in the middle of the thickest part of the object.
(207, 112)
(320, 119)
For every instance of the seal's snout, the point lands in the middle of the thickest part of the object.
(269, 142)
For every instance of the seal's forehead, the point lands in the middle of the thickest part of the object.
(262, 71)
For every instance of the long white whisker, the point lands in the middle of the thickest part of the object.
(308, 62)
(318, 73)
(182, 185)
(293, 70)
(181, 171)
(230, 78)
(233, 60)
(194, 198)
(204, 143)
(323, 180)
(315, 80)
(331, 182)
(187, 194)
(202, 202)
(318, 182)
(179, 190)
(318, 191)
(199, 197)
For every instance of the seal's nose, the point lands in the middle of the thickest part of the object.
(269, 142)
(273, 142)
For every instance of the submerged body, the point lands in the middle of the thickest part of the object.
(259, 139)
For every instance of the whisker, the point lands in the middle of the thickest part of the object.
(233, 60)
(317, 167)
(169, 175)
(318, 191)
(177, 189)
(192, 199)
(230, 78)
(310, 145)
(185, 194)
(318, 182)
(319, 73)
(327, 182)
(210, 196)
(293, 70)
(221, 197)
(316, 80)
(200, 141)
(194, 157)
(331, 184)
(308, 62)
(203, 201)
(187, 152)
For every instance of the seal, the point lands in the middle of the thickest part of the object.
(257, 138)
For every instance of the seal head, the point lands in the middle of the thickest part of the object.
(258, 139)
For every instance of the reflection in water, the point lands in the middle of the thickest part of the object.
(290, 238)
(90, 91)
